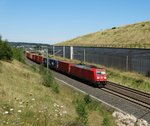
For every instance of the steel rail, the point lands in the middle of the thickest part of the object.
(133, 95)
(129, 89)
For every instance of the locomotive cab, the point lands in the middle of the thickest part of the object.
(101, 77)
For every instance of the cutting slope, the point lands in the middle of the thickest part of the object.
(134, 35)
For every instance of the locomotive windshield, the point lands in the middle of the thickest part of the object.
(100, 72)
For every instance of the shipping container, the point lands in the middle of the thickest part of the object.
(64, 66)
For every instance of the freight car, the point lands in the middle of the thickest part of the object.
(38, 59)
(52, 63)
(29, 55)
(65, 67)
(34, 57)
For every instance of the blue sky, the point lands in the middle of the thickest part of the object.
(52, 21)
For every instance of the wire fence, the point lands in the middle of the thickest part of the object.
(137, 60)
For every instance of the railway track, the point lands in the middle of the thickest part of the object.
(132, 95)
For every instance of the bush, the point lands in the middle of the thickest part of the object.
(113, 27)
(93, 105)
(18, 54)
(106, 121)
(86, 105)
(48, 79)
(139, 81)
(5, 50)
(55, 87)
(8, 53)
(87, 99)
(82, 112)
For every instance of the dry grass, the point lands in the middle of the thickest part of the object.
(25, 101)
(32, 103)
(130, 79)
(134, 35)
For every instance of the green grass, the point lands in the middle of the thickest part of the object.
(134, 35)
(26, 101)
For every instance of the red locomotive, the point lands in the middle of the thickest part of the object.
(96, 76)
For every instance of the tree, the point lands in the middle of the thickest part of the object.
(5, 50)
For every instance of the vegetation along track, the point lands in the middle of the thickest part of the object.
(133, 95)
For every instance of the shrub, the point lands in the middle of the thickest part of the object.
(82, 112)
(55, 87)
(139, 81)
(48, 79)
(113, 28)
(87, 99)
(93, 105)
(5, 50)
(142, 25)
(18, 54)
(8, 53)
(106, 121)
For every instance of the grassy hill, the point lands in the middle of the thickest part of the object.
(133, 35)
(24, 100)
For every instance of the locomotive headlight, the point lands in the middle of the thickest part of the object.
(104, 77)
(97, 77)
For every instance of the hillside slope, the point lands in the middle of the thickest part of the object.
(133, 35)
(24, 100)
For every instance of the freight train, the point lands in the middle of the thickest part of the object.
(94, 76)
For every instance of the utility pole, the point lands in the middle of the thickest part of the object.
(53, 50)
(64, 51)
(127, 63)
(47, 59)
(71, 52)
(84, 56)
